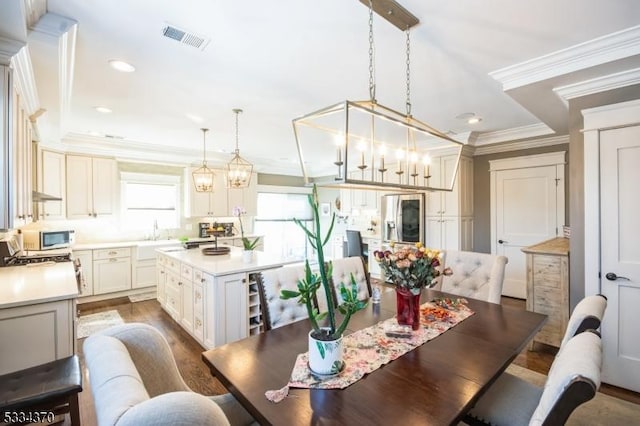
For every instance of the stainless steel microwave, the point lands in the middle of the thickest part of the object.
(33, 239)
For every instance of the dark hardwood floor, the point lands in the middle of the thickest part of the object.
(187, 352)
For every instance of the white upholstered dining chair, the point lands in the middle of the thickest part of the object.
(277, 312)
(573, 379)
(586, 315)
(475, 275)
(341, 273)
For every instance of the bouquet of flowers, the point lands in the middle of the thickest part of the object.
(411, 268)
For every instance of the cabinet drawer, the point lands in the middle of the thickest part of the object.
(198, 276)
(112, 253)
(172, 283)
(173, 265)
(186, 272)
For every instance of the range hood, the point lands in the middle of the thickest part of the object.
(41, 196)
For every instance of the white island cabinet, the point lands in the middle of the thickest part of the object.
(214, 298)
(37, 314)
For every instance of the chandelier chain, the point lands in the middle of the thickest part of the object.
(372, 82)
(204, 146)
(408, 73)
(237, 133)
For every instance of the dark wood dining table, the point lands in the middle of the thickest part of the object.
(434, 384)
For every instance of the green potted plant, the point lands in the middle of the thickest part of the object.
(325, 341)
(247, 245)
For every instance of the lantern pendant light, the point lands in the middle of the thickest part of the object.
(345, 144)
(203, 176)
(238, 169)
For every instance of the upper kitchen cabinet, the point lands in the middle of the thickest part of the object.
(22, 150)
(222, 200)
(51, 181)
(247, 198)
(201, 204)
(449, 214)
(92, 187)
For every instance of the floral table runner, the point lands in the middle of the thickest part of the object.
(368, 349)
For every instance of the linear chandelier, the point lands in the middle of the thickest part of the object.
(366, 145)
(238, 169)
(203, 176)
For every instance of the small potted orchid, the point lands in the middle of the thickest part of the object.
(247, 245)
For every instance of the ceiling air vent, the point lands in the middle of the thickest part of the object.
(185, 37)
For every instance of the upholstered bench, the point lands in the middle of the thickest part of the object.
(34, 394)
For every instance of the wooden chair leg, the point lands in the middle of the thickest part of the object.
(74, 410)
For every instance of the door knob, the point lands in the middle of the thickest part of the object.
(502, 241)
(611, 276)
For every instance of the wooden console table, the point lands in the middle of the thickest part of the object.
(548, 287)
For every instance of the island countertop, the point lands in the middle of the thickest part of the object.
(37, 283)
(226, 264)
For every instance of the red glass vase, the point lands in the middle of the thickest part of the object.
(408, 308)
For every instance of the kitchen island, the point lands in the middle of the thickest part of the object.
(37, 314)
(214, 298)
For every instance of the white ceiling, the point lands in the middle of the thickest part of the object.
(281, 59)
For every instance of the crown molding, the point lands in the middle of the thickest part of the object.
(619, 45)
(53, 25)
(599, 84)
(25, 80)
(66, 65)
(523, 132)
(8, 49)
(520, 145)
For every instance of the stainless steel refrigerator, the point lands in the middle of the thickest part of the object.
(403, 218)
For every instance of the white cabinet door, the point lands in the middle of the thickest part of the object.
(433, 229)
(186, 289)
(52, 182)
(374, 266)
(50, 336)
(173, 295)
(79, 187)
(230, 301)
(92, 187)
(144, 274)
(86, 264)
(161, 278)
(110, 275)
(105, 187)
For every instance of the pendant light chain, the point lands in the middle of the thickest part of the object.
(204, 146)
(237, 111)
(372, 78)
(408, 73)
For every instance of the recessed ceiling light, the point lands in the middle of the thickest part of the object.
(121, 66)
(194, 118)
(465, 115)
(474, 120)
(103, 109)
(94, 133)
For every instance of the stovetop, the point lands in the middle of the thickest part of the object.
(38, 258)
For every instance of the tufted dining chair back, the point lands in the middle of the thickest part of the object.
(277, 312)
(342, 270)
(587, 315)
(475, 275)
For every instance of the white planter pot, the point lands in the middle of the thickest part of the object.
(325, 356)
(247, 256)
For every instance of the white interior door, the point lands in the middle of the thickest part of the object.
(528, 208)
(620, 254)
